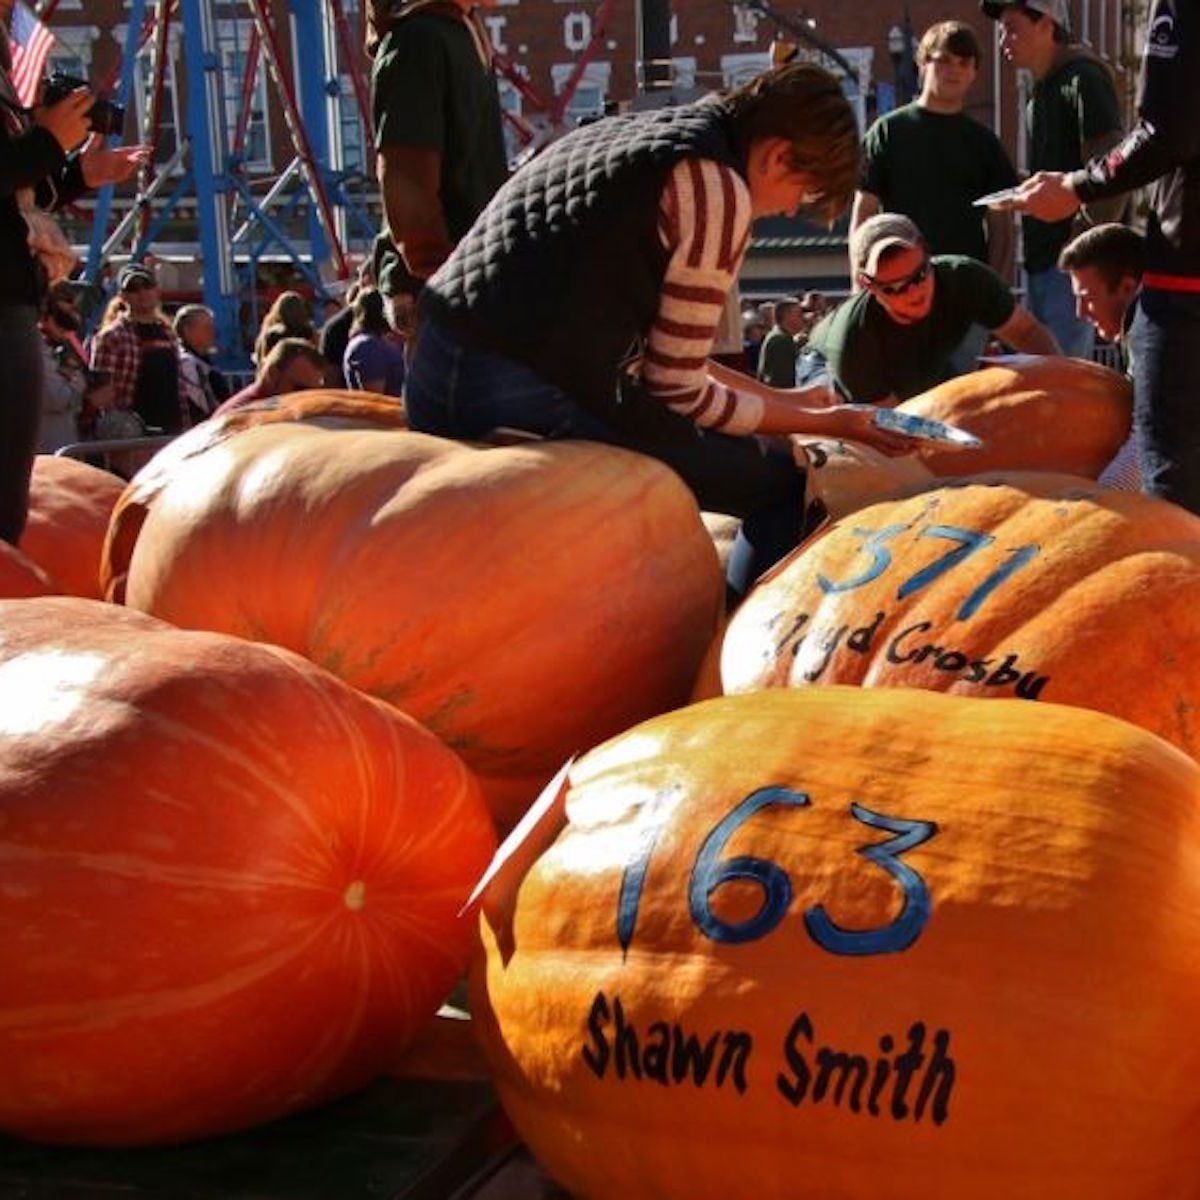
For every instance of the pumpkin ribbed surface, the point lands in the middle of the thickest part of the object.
(229, 883)
(522, 602)
(20, 576)
(1037, 586)
(1033, 414)
(328, 409)
(840, 943)
(70, 503)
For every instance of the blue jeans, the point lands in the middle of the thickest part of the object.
(1053, 303)
(20, 413)
(454, 390)
(1164, 342)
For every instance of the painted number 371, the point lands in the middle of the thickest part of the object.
(711, 870)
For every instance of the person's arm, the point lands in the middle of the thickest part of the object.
(704, 220)
(1000, 243)
(410, 181)
(1025, 333)
(409, 82)
(1167, 133)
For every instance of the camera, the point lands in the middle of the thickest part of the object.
(105, 116)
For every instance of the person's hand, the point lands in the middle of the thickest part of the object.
(856, 423)
(1048, 196)
(67, 120)
(101, 165)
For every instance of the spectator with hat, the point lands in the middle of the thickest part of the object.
(1073, 114)
(897, 335)
(140, 351)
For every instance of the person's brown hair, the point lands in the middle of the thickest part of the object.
(949, 37)
(285, 351)
(805, 105)
(1116, 251)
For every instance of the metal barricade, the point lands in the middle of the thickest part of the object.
(107, 448)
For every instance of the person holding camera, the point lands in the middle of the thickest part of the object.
(39, 169)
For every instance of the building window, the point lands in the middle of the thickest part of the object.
(737, 69)
(590, 92)
(168, 113)
(350, 118)
(233, 37)
(745, 25)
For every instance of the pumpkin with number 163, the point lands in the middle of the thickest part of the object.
(847, 943)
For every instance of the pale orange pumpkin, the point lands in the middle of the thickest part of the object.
(1037, 586)
(230, 882)
(70, 504)
(842, 944)
(1033, 414)
(523, 602)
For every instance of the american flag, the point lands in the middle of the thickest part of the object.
(31, 45)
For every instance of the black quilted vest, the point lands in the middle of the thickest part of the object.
(562, 271)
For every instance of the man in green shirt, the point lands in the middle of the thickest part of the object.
(777, 355)
(1073, 115)
(896, 337)
(438, 135)
(930, 161)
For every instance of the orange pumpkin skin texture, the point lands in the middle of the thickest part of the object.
(230, 882)
(1024, 585)
(20, 577)
(70, 503)
(330, 409)
(1033, 414)
(522, 602)
(1047, 984)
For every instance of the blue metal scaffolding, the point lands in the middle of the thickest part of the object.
(236, 227)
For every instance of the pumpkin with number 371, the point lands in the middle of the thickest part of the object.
(848, 943)
(1043, 587)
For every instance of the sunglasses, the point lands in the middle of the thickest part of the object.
(900, 286)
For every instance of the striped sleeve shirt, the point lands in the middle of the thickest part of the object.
(704, 221)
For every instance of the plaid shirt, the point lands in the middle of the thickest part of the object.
(117, 350)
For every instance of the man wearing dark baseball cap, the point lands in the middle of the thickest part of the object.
(897, 335)
(1073, 113)
(141, 353)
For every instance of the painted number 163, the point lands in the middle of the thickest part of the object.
(711, 870)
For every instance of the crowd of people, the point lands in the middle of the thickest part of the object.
(490, 302)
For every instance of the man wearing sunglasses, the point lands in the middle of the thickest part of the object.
(897, 335)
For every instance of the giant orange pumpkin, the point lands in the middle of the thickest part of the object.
(1037, 586)
(848, 944)
(327, 408)
(229, 883)
(70, 503)
(522, 602)
(20, 576)
(1032, 414)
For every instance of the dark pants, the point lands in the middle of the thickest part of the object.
(455, 391)
(1165, 347)
(20, 412)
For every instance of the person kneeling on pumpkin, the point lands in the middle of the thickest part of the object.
(584, 300)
